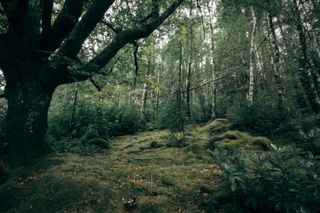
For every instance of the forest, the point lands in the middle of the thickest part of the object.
(150, 106)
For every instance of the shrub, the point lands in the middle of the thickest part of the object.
(263, 116)
(4, 172)
(95, 118)
(284, 180)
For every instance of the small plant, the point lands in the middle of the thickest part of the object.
(284, 180)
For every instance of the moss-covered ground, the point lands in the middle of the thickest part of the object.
(138, 173)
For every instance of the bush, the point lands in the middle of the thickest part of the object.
(263, 116)
(95, 118)
(4, 172)
(284, 180)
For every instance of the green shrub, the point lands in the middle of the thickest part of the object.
(4, 172)
(263, 116)
(94, 118)
(284, 180)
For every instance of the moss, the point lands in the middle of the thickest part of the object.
(155, 144)
(261, 142)
(53, 193)
(164, 179)
(194, 148)
(231, 140)
(154, 204)
(100, 142)
(232, 135)
(217, 126)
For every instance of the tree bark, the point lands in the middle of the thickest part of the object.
(276, 62)
(252, 56)
(26, 122)
(304, 72)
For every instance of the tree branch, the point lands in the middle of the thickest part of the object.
(136, 64)
(46, 18)
(81, 31)
(115, 30)
(16, 11)
(63, 25)
(95, 84)
(121, 39)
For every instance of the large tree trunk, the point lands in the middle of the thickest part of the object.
(28, 104)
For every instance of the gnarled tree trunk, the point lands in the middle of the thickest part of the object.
(28, 103)
(38, 53)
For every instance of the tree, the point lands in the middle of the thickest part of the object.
(38, 52)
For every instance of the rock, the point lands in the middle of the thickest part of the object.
(100, 142)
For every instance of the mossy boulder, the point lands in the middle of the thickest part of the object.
(231, 140)
(100, 143)
(261, 142)
(217, 126)
(155, 145)
(63, 193)
(154, 204)
(195, 148)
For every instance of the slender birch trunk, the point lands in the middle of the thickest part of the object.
(252, 56)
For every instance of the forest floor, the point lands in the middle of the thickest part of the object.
(138, 173)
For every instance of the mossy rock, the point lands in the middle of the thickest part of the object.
(153, 204)
(155, 145)
(235, 139)
(58, 193)
(261, 142)
(100, 142)
(233, 135)
(217, 126)
(194, 148)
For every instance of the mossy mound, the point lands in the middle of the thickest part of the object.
(231, 140)
(216, 126)
(60, 188)
(100, 143)
(154, 204)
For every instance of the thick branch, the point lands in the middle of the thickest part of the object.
(16, 11)
(123, 38)
(63, 25)
(81, 31)
(114, 29)
(46, 17)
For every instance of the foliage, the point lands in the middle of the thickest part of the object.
(96, 119)
(172, 116)
(309, 133)
(263, 116)
(283, 180)
(4, 172)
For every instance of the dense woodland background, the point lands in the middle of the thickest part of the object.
(246, 72)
